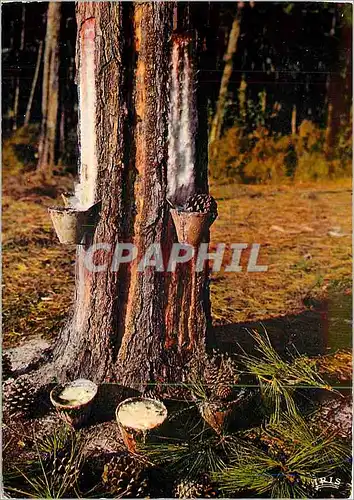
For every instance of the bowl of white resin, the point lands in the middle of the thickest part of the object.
(137, 416)
(73, 400)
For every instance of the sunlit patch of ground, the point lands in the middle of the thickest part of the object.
(37, 283)
(305, 238)
(37, 272)
(304, 299)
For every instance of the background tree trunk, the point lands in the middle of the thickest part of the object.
(50, 90)
(293, 121)
(126, 325)
(17, 87)
(34, 83)
(216, 126)
(339, 84)
(67, 90)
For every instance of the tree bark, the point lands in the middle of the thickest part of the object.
(216, 127)
(129, 325)
(50, 91)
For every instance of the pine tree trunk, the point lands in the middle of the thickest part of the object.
(67, 92)
(34, 84)
(216, 127)
(128, 325)
(50, 91)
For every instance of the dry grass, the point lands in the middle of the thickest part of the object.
(37, 272)
(338, 366)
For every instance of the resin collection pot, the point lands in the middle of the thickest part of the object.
(138, 416)
(75, 414)
(191, 227)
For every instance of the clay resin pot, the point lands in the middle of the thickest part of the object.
(70, 224)
(216, 414)
(138, 416)
(191, 227)
(73, 401)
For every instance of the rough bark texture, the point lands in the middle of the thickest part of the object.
(130, 326)
(50, 90)
(141, 348)
(86, 345)
(216, 127)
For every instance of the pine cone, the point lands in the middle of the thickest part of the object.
(201, 203)
(151, 394)
(211, 374)
(6, 367)
(223, 391)
(195, 365)
(195, 489)
(20, 398)
(63, 467)
(227, 370)
(124, 476)
(220, 375)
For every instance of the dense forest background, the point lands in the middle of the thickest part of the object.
(287, 113)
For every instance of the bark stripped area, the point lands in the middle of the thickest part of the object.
(186, 314)
(86, 189)
(50, 91)
(182, 120)
(132, 326)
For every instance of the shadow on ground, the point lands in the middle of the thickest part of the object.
(306, 332)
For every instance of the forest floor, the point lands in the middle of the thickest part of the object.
(304, 235)
(304, 232)
(303, 299)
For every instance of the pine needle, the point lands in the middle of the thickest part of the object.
(279, 379)
(283, 461)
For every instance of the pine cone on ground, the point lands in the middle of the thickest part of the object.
(63, 467)
(6, 367)
(125, 476)
(200, 488)
(201, 203)
(151, 394)
(20, 398)
(211, 373)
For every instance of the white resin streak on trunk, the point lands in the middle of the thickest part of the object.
(86, 189)
(182, 125)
